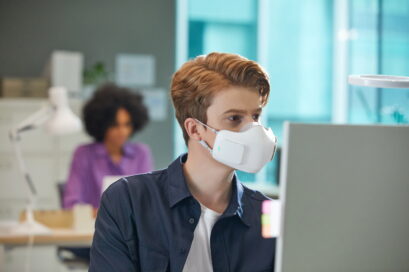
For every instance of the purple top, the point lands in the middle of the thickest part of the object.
(91, 163)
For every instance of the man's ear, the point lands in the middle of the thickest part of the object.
(193, 129)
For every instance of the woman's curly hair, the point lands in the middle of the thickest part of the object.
(99, 112)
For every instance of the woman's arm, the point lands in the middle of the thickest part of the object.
(73, 187)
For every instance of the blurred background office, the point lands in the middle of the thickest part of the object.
(111, 117)
(308, 48)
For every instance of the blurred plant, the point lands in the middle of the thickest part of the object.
(396, 113)
(96, 74)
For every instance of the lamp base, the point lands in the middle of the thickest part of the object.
(30, 228)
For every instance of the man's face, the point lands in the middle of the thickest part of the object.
(231, 109)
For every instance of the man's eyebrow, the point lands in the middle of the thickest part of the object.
(258, 110)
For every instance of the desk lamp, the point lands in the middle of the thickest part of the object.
(56, 118)
(379, 81)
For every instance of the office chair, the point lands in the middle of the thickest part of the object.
(72, 257)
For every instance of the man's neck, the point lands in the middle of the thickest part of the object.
(209, 181)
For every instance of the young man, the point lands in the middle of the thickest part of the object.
(195, 215)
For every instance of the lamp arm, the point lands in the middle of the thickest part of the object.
(23, 169)
(30, 123)
(33, 121)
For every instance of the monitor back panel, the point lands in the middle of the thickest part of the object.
(345, 196)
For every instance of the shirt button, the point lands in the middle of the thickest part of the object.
(191, 220)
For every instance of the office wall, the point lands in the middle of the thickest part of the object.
(30, 30)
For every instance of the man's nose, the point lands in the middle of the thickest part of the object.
(247, 123)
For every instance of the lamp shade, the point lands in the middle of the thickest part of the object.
(62, 120)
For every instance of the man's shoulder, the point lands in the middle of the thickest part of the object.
(254, 195)
(137, 184)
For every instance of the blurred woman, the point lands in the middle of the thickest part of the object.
(112, 116)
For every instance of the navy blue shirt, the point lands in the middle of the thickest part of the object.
(146, 223)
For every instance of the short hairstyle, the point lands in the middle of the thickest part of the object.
(100, 111)
(195, 83)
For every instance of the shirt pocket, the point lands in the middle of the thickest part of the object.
(153, 260)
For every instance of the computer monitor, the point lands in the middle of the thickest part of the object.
(345, 199)
(107, 181)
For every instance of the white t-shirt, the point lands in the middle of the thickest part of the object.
(199, 258)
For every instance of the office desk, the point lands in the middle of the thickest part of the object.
(58, 237)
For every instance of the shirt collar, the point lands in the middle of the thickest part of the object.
(128, 150)
(178, 191)
(102, 151)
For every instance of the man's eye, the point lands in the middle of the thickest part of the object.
(235, 118)
(256, 117)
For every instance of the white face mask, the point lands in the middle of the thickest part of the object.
(248, 150)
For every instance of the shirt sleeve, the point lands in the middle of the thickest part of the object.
(110, 251)
(74, 185)
(147, 163)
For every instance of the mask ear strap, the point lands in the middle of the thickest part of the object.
(205, 145)
(212, 129)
